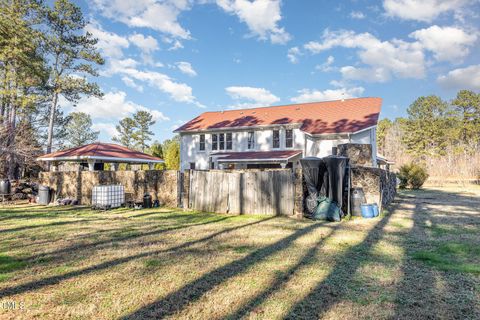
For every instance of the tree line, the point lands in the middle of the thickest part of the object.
(47, 60)
(443, 136)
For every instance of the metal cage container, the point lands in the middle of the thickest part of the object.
(108, 196)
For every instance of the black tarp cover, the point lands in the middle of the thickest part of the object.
(324, 177)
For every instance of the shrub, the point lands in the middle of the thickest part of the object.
(412, 175)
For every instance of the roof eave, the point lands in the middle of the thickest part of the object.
(112, 159)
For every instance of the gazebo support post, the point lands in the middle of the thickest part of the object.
(151, 166)
(114, 166)
(283, 165)
(91, 165)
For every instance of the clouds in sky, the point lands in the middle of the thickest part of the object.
(186, 68)
(251, 97)
(422, 10)
(310, 95)
(261, 16)
(462, 78)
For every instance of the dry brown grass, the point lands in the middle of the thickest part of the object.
(66, 263)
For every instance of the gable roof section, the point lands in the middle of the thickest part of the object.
(328, 117)
(101, 151)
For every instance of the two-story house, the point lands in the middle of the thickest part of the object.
(276, 137)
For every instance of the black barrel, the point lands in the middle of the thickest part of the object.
(5, 186)
(147, 201)
(43, 195)
(357, 199)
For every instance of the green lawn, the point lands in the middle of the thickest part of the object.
(420, 260)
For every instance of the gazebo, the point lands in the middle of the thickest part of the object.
(95, 155)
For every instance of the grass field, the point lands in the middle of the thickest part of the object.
(420, 260)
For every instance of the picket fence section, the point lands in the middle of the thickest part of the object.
(243, 192)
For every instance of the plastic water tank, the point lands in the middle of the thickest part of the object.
(43, 195)
(5, 186)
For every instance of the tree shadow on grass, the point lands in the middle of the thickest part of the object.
(335, 286)
(37, 284)
(176, 301)
(418, 293)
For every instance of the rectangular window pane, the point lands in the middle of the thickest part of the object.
(202, 142)
(276, 139)
(214, 142)
(229, 141)
(288, 138)
(222, 141)
(251, 140)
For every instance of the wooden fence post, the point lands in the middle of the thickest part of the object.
(298, 202)
(185, 183)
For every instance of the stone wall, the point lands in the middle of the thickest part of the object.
(379, 186)
(162, 185)
(359, 154)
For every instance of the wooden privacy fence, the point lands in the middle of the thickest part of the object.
(243, 192)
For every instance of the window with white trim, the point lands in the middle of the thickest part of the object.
(221, 141)
(214, 141)
(276, 139)
(229, 141)
(202, 142)
(251, 140)
(288, 138)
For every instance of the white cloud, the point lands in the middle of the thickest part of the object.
(178, 91)
(186, 68)
(256, 97)
(396, 57)
(147, 44)
(462, 78)
(327, 65)
(158, 15)
(365, 74)
(132, 84)
(261, 16)
(112, 105)
(110, 44)
(108, 128)
(357, 15)
(421, 10)
(293, 54)
(446, 43)
(308, 95)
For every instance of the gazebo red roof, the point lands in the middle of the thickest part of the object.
(101, 151)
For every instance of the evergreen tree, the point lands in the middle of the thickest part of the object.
(79, 130)
(126, 131)
(171, 149)
(426, 128)
(383, 127)
(71, 52)
(156, 150)
(467, 108)
(143, 121)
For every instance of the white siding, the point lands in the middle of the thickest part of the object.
(311, 146)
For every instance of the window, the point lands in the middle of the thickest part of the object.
(276, 139)
(202, 142)
(221, 139)
(229, 141)
(251, 140)
(288, 138)
(214, 141)
(192, 165)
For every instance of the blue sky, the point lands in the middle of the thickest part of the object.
(178, 58)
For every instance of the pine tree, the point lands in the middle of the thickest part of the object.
(126, 131)
(383, 127)
(171, 149)
(71, 52)
(467, 108)
(143, 122)
(79, 130)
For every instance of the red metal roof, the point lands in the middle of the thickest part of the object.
(340, 116)
(98, 150)
(257, 155)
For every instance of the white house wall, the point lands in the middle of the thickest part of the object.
(311, 146)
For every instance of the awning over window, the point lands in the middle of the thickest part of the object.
(257, 156)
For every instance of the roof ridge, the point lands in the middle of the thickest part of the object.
(292, 104)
